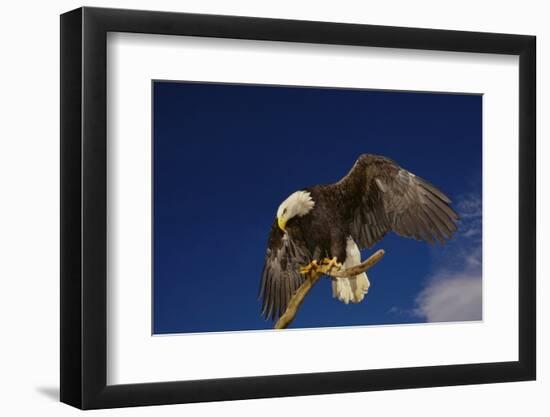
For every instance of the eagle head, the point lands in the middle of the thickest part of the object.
(298, 204)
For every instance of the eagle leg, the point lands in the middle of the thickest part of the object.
(312, 266)
(326, 266)
(328, 263)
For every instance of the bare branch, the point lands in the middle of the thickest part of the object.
(313, 275)
(357, 269)
(297, 299)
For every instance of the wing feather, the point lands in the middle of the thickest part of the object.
(433, 224)
(394, 199)
(280, 276)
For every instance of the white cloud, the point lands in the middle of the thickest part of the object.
(470, 207)
(456, 297)
(454, 291)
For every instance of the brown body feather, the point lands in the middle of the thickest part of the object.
(375, 197)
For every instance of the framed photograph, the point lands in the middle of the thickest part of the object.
(257, 208)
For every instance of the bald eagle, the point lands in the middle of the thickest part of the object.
(337, 220)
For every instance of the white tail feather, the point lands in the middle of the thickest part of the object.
(353, 288)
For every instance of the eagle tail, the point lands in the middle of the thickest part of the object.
(353, 288)
(350, 289)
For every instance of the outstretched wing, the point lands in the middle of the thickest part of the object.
(386, 197)
(280, 276)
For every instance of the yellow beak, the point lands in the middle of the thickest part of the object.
(282, 223)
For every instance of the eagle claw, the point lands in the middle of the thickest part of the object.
(326, 266)
(312, 266)
(328, 263)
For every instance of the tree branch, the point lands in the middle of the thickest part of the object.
(313, 275)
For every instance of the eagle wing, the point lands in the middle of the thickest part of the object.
(386, 197)
(280, 276)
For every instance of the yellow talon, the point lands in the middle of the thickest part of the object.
(330, 263)
(312, 266)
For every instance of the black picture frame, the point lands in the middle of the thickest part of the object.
(83, 207)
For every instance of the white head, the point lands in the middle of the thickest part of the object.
(298, 204)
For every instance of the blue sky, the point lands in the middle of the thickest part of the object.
(226, 155)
